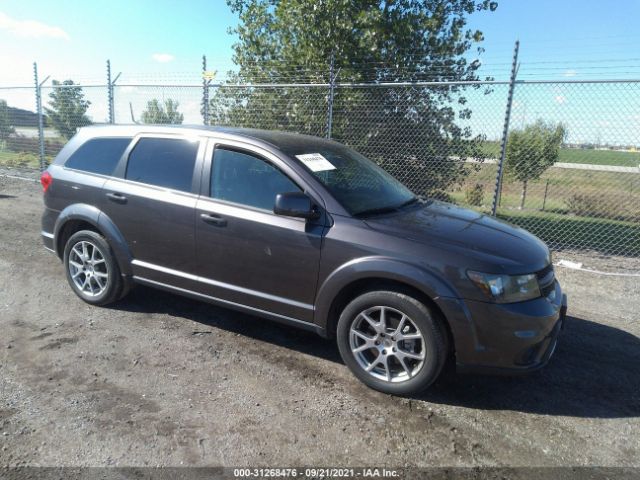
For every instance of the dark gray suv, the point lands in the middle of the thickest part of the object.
(307, 232)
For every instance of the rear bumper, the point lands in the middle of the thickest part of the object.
(48, 224)
(47, 240)
(512, 338)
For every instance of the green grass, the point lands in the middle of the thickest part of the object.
(580, 155)
(564, 231)
(562, 183)
(600, 157)
(29, 158)
(611, 228)
(19, 159)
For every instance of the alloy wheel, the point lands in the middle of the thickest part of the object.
(387, 344)
(88, 269)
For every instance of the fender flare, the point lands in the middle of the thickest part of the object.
(97, 218)
(422, 280)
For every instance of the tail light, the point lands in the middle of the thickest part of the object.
(45, 180)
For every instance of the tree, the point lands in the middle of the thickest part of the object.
(68, 108)
(410, 131)
(6, 128)
(532, 150)
(159, 113)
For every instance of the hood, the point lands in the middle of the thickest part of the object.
(470, 233)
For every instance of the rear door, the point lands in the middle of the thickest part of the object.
(152, 201)
(246, 254)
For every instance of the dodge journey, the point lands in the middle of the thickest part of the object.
(304, 231)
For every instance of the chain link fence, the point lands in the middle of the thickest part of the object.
(570, 169)
(589, 198)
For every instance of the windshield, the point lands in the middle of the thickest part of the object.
(356, 182)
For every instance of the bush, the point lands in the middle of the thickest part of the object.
(474, 195)
(613, 207)
(22, 159)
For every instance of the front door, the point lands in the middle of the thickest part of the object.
(246, 254)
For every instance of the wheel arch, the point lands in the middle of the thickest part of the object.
(67, 229)
(87, 217)
(367, 275)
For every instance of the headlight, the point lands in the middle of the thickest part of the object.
(506, 288)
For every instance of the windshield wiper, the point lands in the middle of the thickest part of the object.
(387, 209)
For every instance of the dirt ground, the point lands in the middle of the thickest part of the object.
(162, 380)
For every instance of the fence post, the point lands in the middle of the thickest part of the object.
(205, 92)
(544, 200)
(505, 132)
(109, 92)
(40, 119)
(332, 79)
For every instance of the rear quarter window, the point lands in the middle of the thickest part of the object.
(98, 155)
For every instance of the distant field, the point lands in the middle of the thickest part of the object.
(600, 157)
(568, 208)
(563, 231)
(579, 155)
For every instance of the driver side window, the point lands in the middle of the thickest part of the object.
(245, 179)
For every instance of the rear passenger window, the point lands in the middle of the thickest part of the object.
(241, 178)
(98, 155)
(165, 162)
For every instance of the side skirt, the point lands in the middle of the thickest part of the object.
(235, 306)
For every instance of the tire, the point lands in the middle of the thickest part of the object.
(410, 352)
(90, 263)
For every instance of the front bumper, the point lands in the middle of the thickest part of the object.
(513, 338)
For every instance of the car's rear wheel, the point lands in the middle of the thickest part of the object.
(392, 342)
(91, 268)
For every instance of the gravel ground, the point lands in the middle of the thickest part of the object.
(161, 380)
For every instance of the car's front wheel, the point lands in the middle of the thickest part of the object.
(91, 268)
(392, 342)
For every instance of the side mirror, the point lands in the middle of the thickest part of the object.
(295, 204)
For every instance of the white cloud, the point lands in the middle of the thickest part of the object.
(560, 99)
(163, 57)
(569, 73)
(30, 28)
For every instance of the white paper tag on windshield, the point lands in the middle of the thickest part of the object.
(316, 162)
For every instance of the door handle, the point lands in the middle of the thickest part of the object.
(213, 219)
(117, 197)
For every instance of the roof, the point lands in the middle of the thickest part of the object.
(284, 141)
